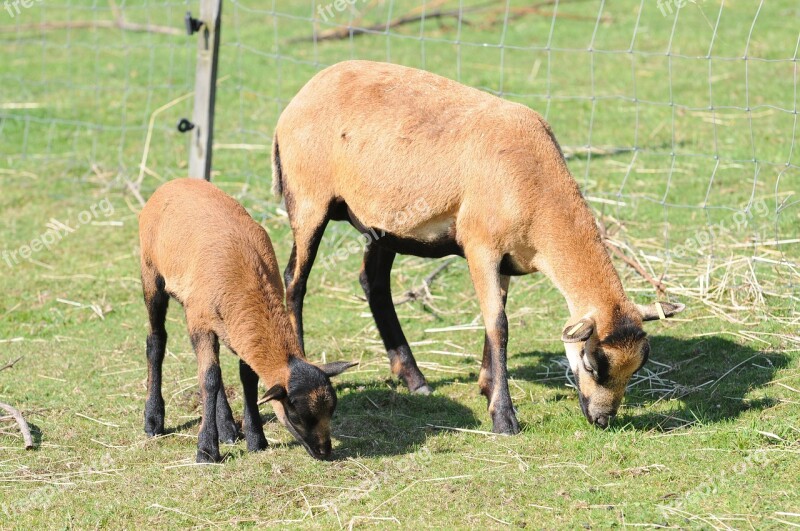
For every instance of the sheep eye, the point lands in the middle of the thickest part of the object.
(587, 366)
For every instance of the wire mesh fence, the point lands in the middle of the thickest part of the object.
(679, 118)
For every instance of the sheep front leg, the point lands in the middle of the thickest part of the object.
(485, 380)
(484, 268)
(206, 347)
(251, 424)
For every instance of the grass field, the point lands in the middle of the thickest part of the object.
(709, 435)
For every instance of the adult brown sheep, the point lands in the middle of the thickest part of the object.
(363, 141)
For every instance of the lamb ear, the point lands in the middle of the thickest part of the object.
(580, 331)
(659, 310)
(336, 368)
(276, 392)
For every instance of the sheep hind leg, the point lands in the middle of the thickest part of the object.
(375, 279)
(156, 300)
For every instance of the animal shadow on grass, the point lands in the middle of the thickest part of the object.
(377, 420)
(704, 380)
(371, 420)
(189, 424)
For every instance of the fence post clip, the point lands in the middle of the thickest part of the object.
(193, 25)
(184, 125)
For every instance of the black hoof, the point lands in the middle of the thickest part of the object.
(228, 433)
(154, 427)
(505, 423)
(154, 417)
(208, 456)
(256, 444)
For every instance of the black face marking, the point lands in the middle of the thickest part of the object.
(310, 399)
(600, 365)
(582, 400)
(624, 334)
(645, 355)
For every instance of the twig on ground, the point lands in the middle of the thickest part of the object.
(23, 425)
(414, 15)
(11, 363)
(423, 292)
(418, 15)
(463, 430)
(101, 422)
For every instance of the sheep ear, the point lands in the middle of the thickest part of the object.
(659, 310)
(580, 331)
(276, 392)
(336, 368)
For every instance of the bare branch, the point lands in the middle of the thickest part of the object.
(660, 289)
(23, 426)
(11, 363)
(423, 292)
(411, 17)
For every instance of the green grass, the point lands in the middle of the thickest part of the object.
(711, 440)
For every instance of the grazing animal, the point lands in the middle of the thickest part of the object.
(369, 143)
(201, 247)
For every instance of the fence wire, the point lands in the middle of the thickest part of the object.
(679, 118)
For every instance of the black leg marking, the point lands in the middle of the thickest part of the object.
(251, 424)
(157, 301)
(304, 251)
(206, 346)
(375, 279)
(491, 288)
(227, 429)
(504, 420)
(486, 379)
